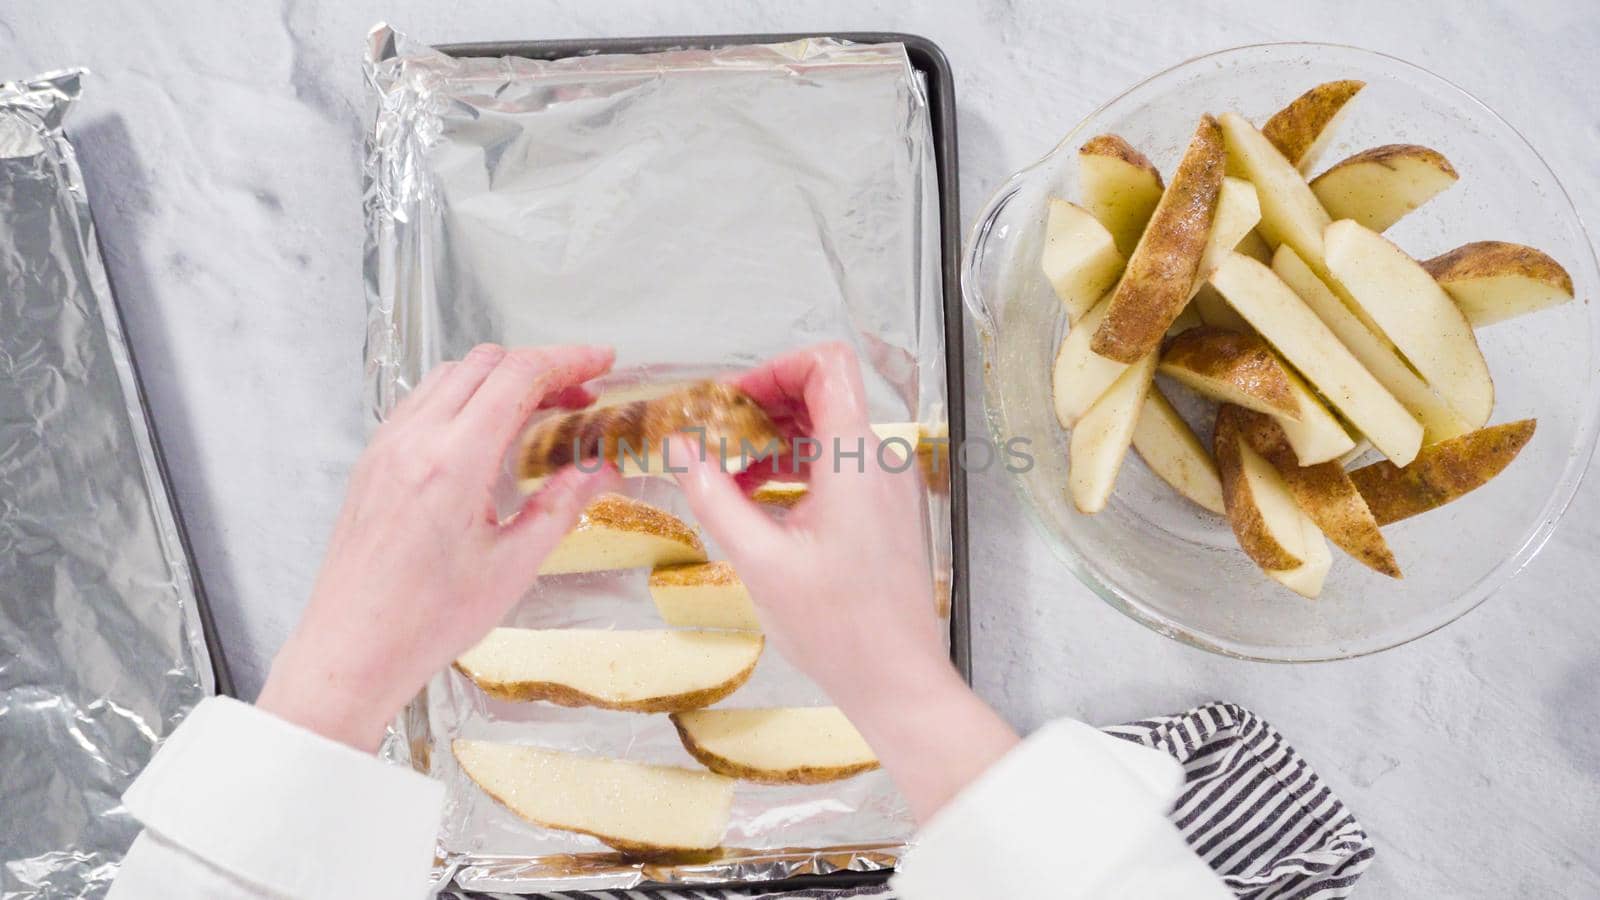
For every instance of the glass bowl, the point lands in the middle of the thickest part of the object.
(1177, 568)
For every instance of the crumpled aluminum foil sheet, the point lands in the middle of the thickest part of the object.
(700, 210)
(101, 648)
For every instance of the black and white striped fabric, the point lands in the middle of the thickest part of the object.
(1251, 808)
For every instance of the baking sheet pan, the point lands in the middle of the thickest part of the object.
(939, 83)
(434, 269)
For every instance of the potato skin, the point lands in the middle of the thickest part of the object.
(640, 427)
(632, 849)
(1243, 514)
(1295, 128)
(1115, 146)
(566, 695)
(1388, 153)
(1488, 259)
(1242, 360)
(797, 775)
(1161, 273)
(1441, 472)
(1325, 493)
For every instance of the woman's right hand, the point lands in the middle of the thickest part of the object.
(843, 585)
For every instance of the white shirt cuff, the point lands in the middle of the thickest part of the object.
(288, 810)
(1071, 812)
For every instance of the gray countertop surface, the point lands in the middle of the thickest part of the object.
(222, 145)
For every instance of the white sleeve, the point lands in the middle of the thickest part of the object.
(1072, 812)
(240, 803)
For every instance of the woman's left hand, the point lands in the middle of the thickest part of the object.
(420, 567)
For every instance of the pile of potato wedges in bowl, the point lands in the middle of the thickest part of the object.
(1168, 259)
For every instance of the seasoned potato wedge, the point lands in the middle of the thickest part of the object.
(1323, 491)
(1270, 527)
(1169, 447)
(1441, 472)
(1378, 187)
(1493, 281)
(1160, 276)
(1233, 367)
(644, 810)
(1120, 187)
(1101, 438)
(634, 671)
(1302, 129)
(785, 745)
(1080, 259)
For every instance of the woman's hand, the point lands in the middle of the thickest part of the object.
(420, 566)
(843, 584)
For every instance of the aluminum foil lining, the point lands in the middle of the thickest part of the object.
(101, 647)
(700, 210)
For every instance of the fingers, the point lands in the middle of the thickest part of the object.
(499, 409)
(547, 517)
(737, 524)
(819, 387)
(420, 395)
(460, 380)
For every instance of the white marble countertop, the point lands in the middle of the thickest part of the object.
(222, 146)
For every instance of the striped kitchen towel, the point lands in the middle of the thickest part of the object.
(1251, 808)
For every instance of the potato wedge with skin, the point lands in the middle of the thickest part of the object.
(1232, 367)
(1416, 315)
(1263, 515)
(1307, 578)
(642, 810)
(1169, 447)
(1238, 211)
(634, 671)
(1302, 129)
(1082, 375)
(1101, 438)
(1439, 420)
(617, 532)
(1290, 213)
(1161, 273)
(1492, 281)
(1079, 259)
(1378, 187)
(1270, 527)
(703, 595)
(1441, 472)
(781, 494)
(786, 745)
(1284, 320)
(1121, 188)
(1324, 492)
